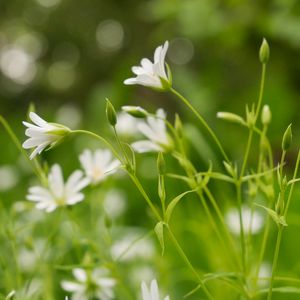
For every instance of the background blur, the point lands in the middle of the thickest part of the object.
(68, 56)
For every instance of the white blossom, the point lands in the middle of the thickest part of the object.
(58, 193)
(98, 165)
(252, 220)
(151, 293)
(88, 284)
(42, 134)
(152, 74)
(155, 130)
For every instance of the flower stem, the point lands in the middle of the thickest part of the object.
(275, 260)
(202, 121)
(188, 264)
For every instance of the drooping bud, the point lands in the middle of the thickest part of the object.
(161, 164)
(178, 126)
(264, 52)
(111, 113)
(287, 138)
(227, 116)
(266, 115)
(135, 111)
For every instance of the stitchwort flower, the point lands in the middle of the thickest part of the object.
(153, 292)
(96, 284)
(98, 165)
(154, 74)
(58, 193)
(43, 134)
(155, 130)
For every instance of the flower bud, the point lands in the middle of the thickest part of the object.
(161, 165)
(111, 113)
(266, 115)
(135, 111)
(178, 126)
(264, 52)
(287, 138)
(227, 116)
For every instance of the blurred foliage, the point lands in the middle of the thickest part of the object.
(68, 56)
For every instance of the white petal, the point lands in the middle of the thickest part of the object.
(80, 274)
(146, 146)
(147, 65)
(154, 290)
(36, 119)
(70, 286)
(145, 292)
(56, 181)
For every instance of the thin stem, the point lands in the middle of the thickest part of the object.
(144, 194)
(98, 137)
(275, 261)
(261, 90)
(188, 264)
(202, 121)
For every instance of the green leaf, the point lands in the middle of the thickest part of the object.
(159, 230)
(173, 203)
(279, 220)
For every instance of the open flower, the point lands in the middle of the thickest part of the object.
(153, 292)
(94, 284)
(43, 134)
(98, 165)
(58, 193)
(155, 130)
(152, 74)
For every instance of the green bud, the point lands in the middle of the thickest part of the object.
(287, 138)
(227, 116)
(266, 115)
(111, 113)
(135, 111)
(178, 126)
(250, 115)
(161, 165)
(264, 52)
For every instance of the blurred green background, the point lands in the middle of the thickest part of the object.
(68, 56)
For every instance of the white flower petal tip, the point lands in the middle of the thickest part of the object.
(151, 293)
(98, 165)
(154, 129)
(42, 135)
(58, 193)
(153, 74)
(94, 284)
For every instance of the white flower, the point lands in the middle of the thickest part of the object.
(90, 284)
(152, 74)
(42, 134)
(58, 193)
(156, 132)
(253, 221)
(127, 125)
(98, 165)
(153, 292)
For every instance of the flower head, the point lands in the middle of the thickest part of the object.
(88, 284)
(153, 292)
(152, 74)
(43, 134)
(98, 165)
(58, 193)
(155, 130)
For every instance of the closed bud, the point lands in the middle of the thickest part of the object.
(135, 111)
(111, 113)
(161, 165)
(178, 126)
(266, 115)
(287, 138)
(264, 52)
(227, 116)
(250, 115)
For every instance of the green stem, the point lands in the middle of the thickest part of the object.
(202, 121)
(261, 90)
(188, 264)
(275, 261)
(100, 138)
